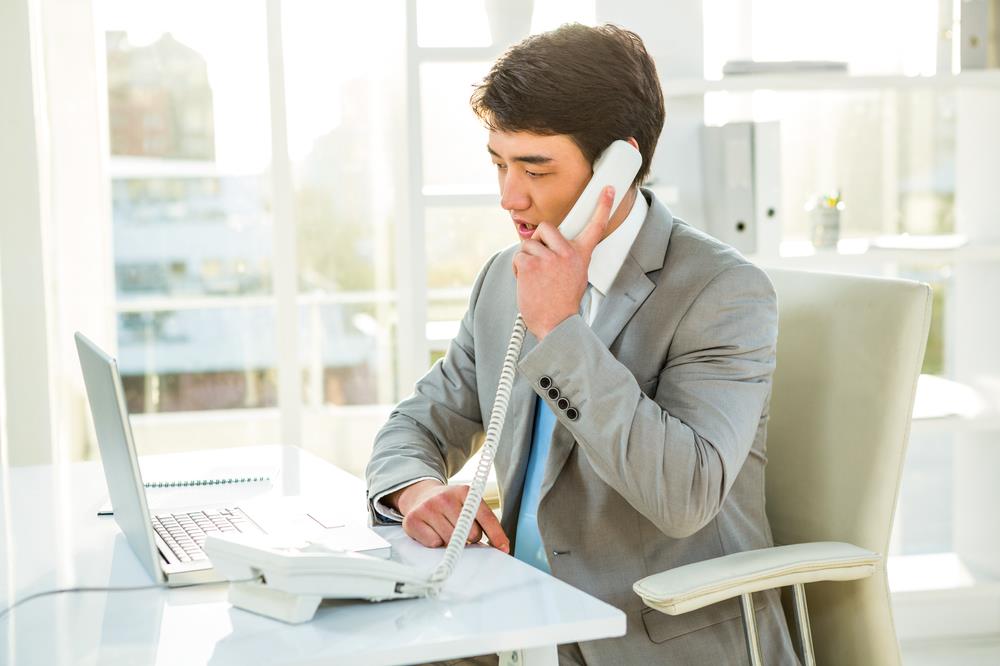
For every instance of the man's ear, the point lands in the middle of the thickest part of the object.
(631, 140)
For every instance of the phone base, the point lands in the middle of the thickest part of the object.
(261, 599)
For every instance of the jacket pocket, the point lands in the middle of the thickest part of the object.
(661, 627)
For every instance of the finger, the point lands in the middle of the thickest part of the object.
(523, 262)
(551, 238)
(440, 524)
(421, 532)
(435, 513)
(475, 534)
(451, 510)
(486, 518)
(594, 231)
(456, 500)
(536, 248)
(449, 504)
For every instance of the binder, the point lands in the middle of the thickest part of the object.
(946, 29)
(978, 23)
(741, 165)
(993, 36)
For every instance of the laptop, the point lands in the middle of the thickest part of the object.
(168, 542)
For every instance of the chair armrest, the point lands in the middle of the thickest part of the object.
(700, 584)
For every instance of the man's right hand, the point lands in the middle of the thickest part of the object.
(430, 510)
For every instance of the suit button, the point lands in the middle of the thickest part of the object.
(572, 414)
(562, 403)
(553, 393)
(545, 382)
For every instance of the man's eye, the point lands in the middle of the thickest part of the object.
(534, 174)
(501, 167)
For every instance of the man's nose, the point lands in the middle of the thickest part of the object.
(513, 194)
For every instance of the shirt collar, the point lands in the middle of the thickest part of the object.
(610, 253)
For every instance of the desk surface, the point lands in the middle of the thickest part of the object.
(50, 537)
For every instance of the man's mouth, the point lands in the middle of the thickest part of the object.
(525, 230)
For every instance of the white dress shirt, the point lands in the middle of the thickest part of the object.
(610, 253)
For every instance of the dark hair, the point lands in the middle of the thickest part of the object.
(593, 84)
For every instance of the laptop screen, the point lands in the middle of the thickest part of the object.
(121, 464)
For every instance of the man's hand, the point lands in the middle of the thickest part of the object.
(430, 510)
(551, 271)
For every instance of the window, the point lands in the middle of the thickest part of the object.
(347, 143)
(189, 141)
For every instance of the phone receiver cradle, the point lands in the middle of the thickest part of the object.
(294, 575)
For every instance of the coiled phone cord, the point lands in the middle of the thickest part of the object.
(463, 526)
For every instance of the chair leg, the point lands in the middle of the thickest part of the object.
(750, 630)
(802, 624)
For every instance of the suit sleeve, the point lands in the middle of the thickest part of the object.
(432, 433)
(674, 458)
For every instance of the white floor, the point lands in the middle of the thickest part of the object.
(953, 652)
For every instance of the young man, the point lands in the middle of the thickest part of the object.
(635, 435)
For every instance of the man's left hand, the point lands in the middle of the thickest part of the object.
(551, 271)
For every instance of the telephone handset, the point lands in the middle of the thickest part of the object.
(295, 578)
(616, 166)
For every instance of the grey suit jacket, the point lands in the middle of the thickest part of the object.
(664, 463)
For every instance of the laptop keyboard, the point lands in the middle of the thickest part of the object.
(184, 533)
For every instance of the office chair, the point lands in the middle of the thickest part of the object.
(849, 353)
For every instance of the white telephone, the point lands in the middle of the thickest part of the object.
(296, 576)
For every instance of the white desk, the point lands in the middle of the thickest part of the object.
(50, 537)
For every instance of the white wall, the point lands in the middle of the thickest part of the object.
(53, 181)
(24, 241)
(977, 315)
(82, 265)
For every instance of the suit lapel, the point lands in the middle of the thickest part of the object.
(562, 447)
(628, 292)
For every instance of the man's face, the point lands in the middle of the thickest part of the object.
(540, 177)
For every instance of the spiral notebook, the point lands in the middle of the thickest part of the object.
(182, 477)
(213, 477)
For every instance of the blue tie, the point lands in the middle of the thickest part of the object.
(528, 546)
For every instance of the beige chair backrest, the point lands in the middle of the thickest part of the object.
(850, 350)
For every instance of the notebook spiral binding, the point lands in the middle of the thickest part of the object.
(205, 482)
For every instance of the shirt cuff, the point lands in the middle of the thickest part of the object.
(386, 511)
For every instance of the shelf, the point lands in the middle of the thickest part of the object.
(122, 167)
(456, 196)
(950, 425)
(938, 571)
(182, 302)
(855, 253)
(944, 406)
(819, 81)
(938, 595)
(458, 54)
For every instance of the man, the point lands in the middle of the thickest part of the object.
(658, 340)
